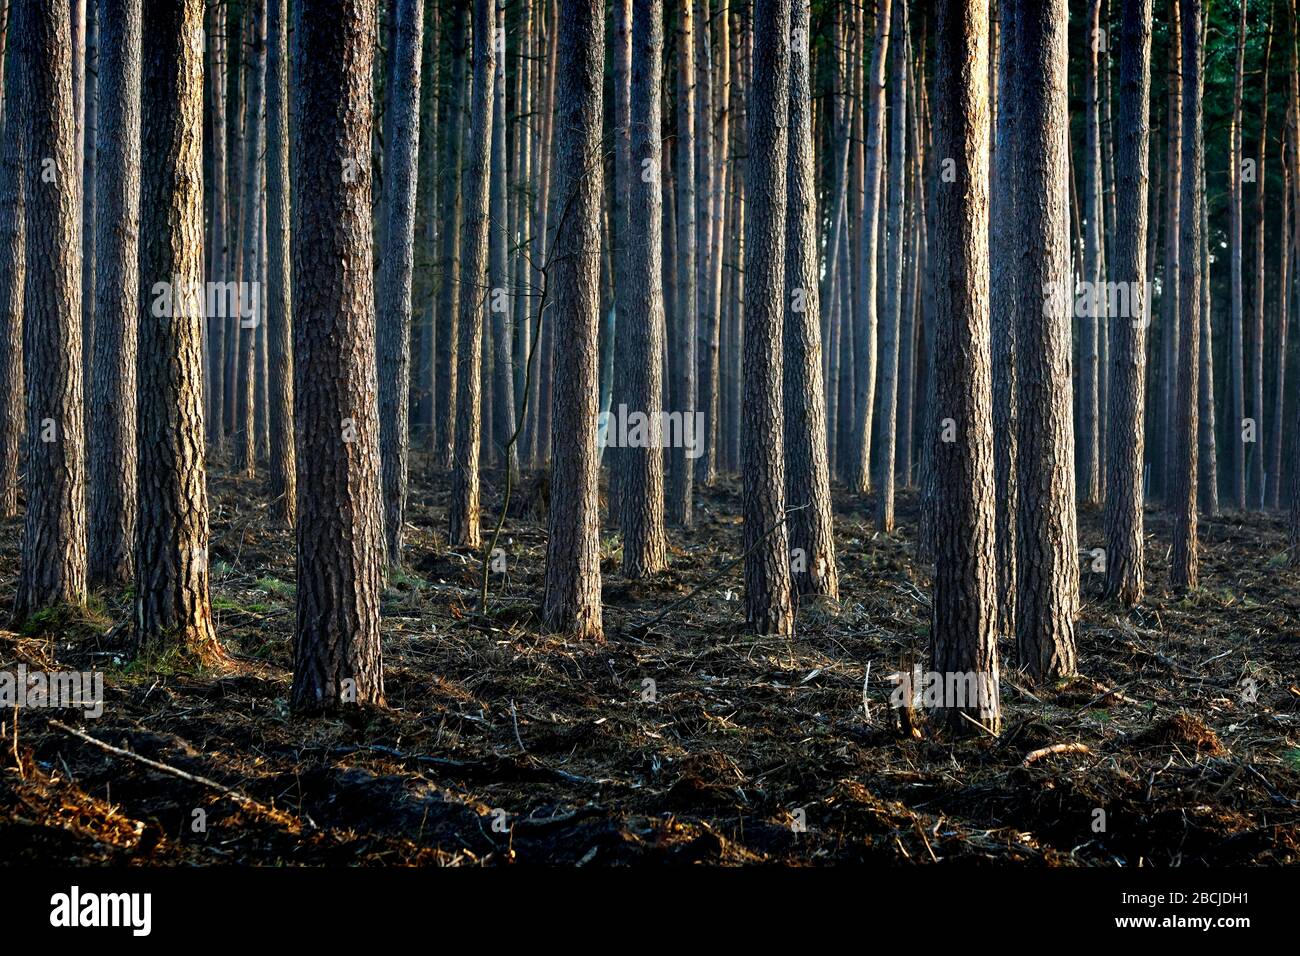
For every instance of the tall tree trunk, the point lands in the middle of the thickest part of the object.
(807, 478)
(682, 471)
(172, 612)
(278, 316)
(963, 632)
(1183, 563)
(337, 659)
(53, 564)
(464, 509)
(1260, 478)
(642, 479)
(503, 383)
(864, 339)
(768, 605)
(1046, 520)
(1124, 539)
(1093, 319)
(245, 388)
(572, 600)
(90, 119)
(1237, 426)
(13, 262)
(218, 259)
(397, 269)
(1167, 449)
(1005, 298)
(112, 434)
(1208, 490)
(893, 273)
(448, 331)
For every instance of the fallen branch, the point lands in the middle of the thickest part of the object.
(241, 799)
(1042, 752)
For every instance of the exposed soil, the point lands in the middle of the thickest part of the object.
(501, 743)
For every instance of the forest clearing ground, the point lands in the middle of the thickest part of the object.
(503, 743)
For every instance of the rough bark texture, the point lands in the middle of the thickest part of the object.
(681, 474)
(572, 601)
(963, 635)
(89, 118)
(337, 657)
(893, 273)
(1124, 544)
(53, 566)
(499, 303)
(397, 268)
(172, 612)
(13, 263)
(807, 475)
(278, 315)
(768, 605)
(864, 337)
(1166, 452)
(1183, 562)
(1092, 319)
(463, 512)
(218, 261)
(245, 386)
(111, 437)
(1005, 298)
(642, 479)
(1236, 197)
(1046, 519)
(448, 332)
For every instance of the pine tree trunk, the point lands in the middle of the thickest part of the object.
(397, 270)
(13, 265)
(278, 317)
(807, 476)
(464, 508)
(1092, 319)
(963, 634)
(642, 479)
(1237, 427)
(864, 341)
(500, 305)
(1208, 489)
(768, 604)
(217, 262)
(1170, 282)
(1124, 537)
(448, 331)
(1261, 481)
(172, 612)
(572, 600)
(53, 563)
(893, 273)
(337, 658)
(245, 460)
(1046, 522)
(682, 471)
(1183, 563)
(111, 438)
(90, 118)
(1005, 298)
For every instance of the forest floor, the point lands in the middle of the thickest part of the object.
(501, 743)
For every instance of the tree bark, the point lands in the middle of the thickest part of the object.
(1046, 519)
(112, 413)
(13, 264)
(337, 659)
(397, 269)
(807, 476)
(572, 600)
(963, 634)
(1124, 537)
(1183, 563)
(172, 611)
(642, 479)
(278, 315)
(768, 605)
(464, 509)
(53, 564)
